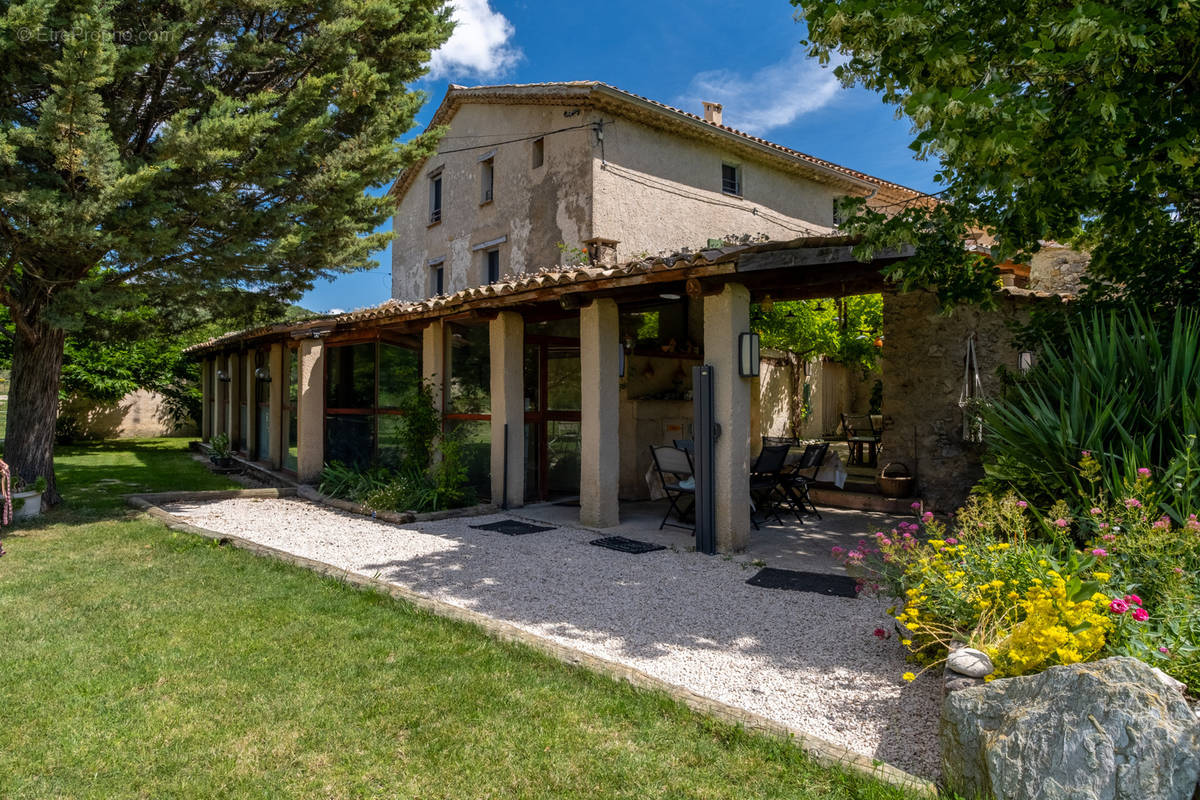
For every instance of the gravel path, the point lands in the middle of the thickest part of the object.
(804, 659)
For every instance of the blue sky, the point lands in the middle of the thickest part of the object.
(746, 56)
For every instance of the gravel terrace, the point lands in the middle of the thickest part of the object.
(807, 660)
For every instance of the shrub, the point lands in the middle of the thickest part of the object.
(1114, 385)
(1030, 601)
(353, 483)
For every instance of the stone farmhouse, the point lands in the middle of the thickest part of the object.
(560, 266)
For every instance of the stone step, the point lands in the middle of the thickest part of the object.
(860, 500)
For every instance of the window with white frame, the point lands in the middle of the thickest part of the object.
(731, 179)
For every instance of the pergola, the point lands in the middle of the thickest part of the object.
(726, 281)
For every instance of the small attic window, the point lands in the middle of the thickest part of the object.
(731, 179)
(539, 152)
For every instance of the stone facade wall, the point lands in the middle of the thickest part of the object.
(1056, 268)
(923, 359)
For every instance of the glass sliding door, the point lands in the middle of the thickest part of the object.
(291, 398)
(552, 404)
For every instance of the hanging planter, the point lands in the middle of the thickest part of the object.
(972, 400)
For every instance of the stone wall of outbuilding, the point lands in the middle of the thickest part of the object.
(923, 360)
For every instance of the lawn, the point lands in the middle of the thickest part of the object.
(138, 662)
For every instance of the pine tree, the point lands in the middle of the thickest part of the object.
(183, 156)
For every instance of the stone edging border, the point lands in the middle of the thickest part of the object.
(822, 751)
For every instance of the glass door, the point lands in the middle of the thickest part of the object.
(552, 420)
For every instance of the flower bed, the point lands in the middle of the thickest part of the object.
(1032, 590)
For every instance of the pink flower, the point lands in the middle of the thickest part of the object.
(1085, 453)
(1060, 522)
(1162, 523)
(1141, 614)
(951, 540)
(1099, 552)
(1022, 504)
(1133, 502)
(916, 506)
(927, 516)
(1144, 472)
(1133, 599)
(1103, 525)
(1164, 651)
(1118, 606)
(880, 633)
(1096, 510)
(885, 542)
(837, 550)
(1109, 537)
(1178, 570)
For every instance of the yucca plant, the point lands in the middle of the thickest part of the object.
(1118, 385)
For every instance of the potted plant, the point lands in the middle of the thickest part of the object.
(27, 497)
(221, 455)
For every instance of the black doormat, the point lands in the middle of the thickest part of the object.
(511, 527)
(796, 581)
(626, 545)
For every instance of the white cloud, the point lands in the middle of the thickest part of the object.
(481, 44)
(336, 311)
(769, 98)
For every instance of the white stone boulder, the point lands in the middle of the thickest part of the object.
(970, 662)
(1106, 730)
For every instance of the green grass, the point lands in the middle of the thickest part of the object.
(138, 662)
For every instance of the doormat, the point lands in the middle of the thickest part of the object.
(796, 581)
(511, 527)
(624, 545)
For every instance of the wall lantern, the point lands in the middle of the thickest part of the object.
(748, 355)
(222, 375)
(1026, 360)
(263, 374)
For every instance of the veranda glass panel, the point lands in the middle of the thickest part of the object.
(563, 391)
(476, 439)
(292, 450)
(263, 449)
(470, 370)
(562, 457)
(388, 429)
(399, 374)
(350, 380)
(348, 438)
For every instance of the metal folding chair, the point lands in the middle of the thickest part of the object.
(766, 478)
(797, 484)
(674, 466)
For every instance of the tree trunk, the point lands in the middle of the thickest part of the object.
(33, 404)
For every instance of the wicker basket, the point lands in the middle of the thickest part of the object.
(895, 480)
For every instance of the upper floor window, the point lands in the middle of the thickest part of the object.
(486, 183)
(539, 152)
(435, 197)
(492, 264)
(839, 216)
(437, 277)
(731, 179)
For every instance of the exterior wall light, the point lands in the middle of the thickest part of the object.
(1026, 360)
(263, 374)
(748, 360)
(222, 375)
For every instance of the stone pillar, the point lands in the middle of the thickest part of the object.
(506, 335)
(310, 411)
(433, 361)
(233, 416)
(600, 416)
(726, 315)
(275, 415)
(206, 399)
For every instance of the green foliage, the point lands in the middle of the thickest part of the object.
(441, 485)
(353, 483)
(1069, 122)
(220, 445)
(419, 427)
(1117, 386)
(814, 327)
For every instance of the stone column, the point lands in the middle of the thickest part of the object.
(507, 339)
(433, 361)
(275, 415)
(600, 414)
(233, 416)
(248, 386)
(206, 399)
(310, 411)
(726, 315)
